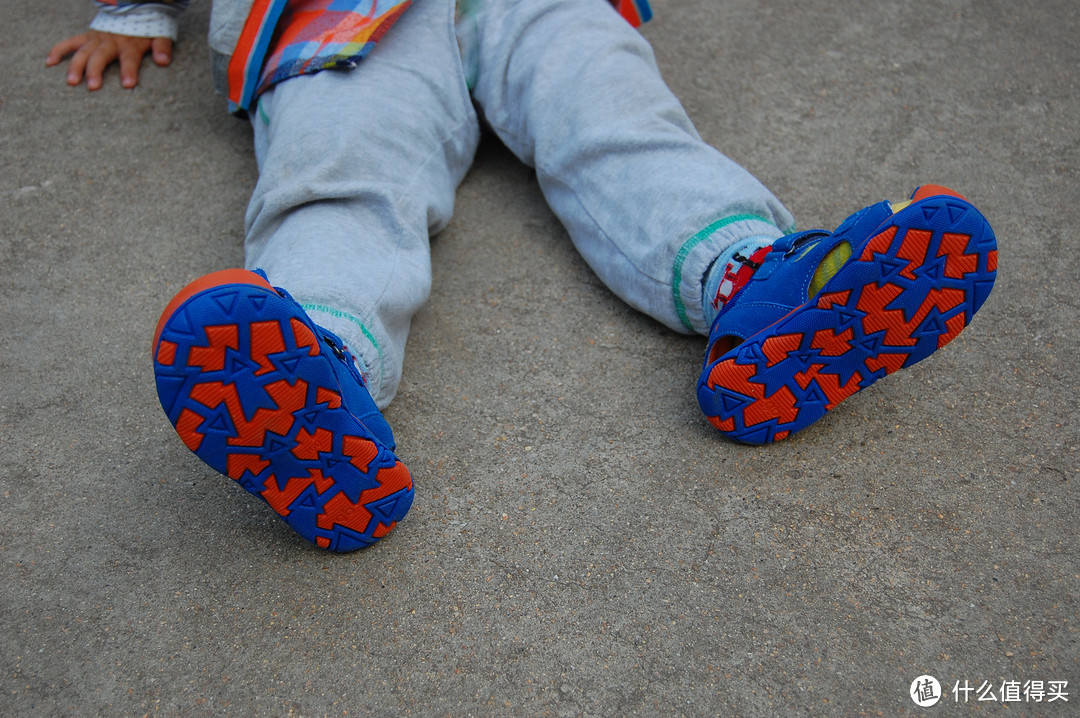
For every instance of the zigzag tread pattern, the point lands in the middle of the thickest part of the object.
(243, 381)
(909, 291)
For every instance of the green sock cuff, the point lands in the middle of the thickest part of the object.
(689, 246)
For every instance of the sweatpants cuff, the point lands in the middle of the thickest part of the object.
(699, 252)
(361, 341)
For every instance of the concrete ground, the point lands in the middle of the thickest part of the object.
(583, 543)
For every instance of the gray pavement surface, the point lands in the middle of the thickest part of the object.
(583, 543)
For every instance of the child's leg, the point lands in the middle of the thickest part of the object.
(355, 170)
(574, 91)
(799, 326)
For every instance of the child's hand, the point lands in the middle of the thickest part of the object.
(94, 51)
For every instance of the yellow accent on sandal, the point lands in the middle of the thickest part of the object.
(834, 260)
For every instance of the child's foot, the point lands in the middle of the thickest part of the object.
(270, 399)
(822, 315)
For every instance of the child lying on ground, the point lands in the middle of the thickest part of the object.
(366, 115)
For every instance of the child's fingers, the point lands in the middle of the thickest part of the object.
(93, 52)
(77, 66)
(99, 59)
(131, 56)
(63, 48)
(162, 50)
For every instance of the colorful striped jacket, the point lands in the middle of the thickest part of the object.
(256, 43)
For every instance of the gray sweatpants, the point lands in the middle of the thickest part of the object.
(357, 169)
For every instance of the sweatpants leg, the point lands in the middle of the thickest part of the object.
(574, 91)
(356, 170)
